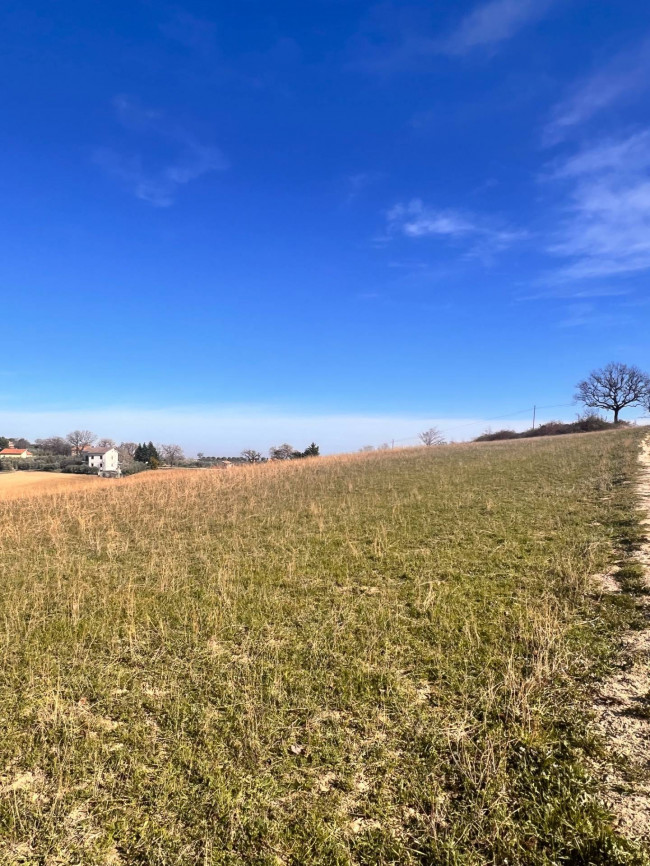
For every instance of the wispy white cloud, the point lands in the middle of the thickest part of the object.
(491, 23)
(621, 80)
(616, 155)
(416, 220)
(158, 187)
(548, 288)
(589, 315)
(606, 228)
(157, 181)
(394, 38)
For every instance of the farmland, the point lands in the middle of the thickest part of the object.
(380, 658)
(14, 485)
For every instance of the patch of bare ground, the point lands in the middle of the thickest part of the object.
(623, 703)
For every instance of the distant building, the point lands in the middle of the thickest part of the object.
(106, 460)
(16, 453)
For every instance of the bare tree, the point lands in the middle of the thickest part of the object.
(281, 452)
(54, 445)
(613, 388)
(128, 448)
(107, 443)
(251, 456)
(171, 453)
(432, 436)
(79, 439)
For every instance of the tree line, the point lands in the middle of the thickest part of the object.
(138, 455)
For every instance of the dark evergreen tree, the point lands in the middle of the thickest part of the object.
(145, 453)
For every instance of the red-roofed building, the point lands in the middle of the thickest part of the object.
(19, 453)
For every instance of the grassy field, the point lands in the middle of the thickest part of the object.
(14, 485)
(381, 658)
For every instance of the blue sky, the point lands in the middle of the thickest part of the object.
(232, 224)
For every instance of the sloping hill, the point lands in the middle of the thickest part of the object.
(382, 658)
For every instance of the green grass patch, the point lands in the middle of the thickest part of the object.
(380, 659)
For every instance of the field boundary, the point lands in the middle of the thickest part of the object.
(622, 704)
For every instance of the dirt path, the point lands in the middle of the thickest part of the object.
(14, 485)
(623, 705)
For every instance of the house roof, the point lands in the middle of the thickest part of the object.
(94, 452)
(15, 451)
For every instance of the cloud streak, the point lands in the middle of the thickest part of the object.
(606, 230)
(416, 220)
(157, 181)
(389, 46)
(621, 80)
(492, 23)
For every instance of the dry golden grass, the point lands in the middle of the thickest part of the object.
(376, 659)
(18, 484)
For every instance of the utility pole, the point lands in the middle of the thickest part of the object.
(534, 411)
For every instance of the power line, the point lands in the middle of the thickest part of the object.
(494, 418)
(509, 415)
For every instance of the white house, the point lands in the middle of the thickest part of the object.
(104, 459)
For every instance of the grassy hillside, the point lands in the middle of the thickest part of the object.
(380, 658)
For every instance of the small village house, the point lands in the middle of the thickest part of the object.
(106, 460)
(15, 453)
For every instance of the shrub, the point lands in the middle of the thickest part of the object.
(589, 423)
(80, 469)
(500, 434)
(592, 422)
(134, 468)
(24, 465)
